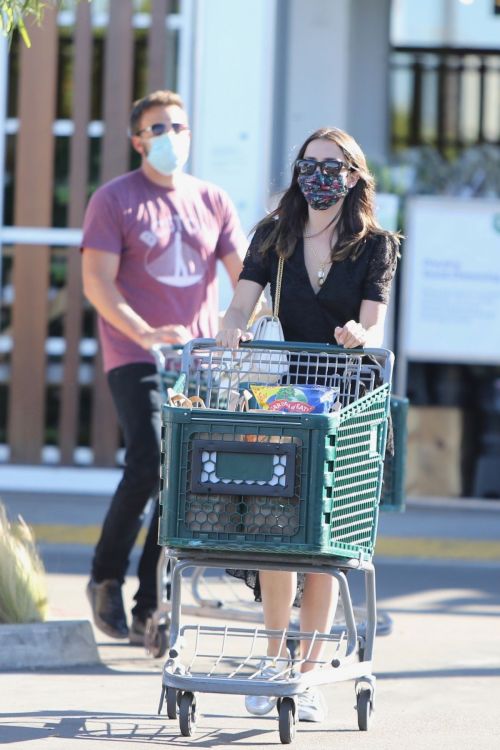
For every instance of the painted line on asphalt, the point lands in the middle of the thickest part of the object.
(440, 549)
(64, 534)
(416, 547)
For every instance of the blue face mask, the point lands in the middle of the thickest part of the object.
(167, 153)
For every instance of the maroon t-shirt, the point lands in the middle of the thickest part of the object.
(168, 240)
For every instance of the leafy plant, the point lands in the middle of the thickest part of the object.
(13, 14)
(23, 593)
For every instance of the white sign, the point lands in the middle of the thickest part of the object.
(450, 304)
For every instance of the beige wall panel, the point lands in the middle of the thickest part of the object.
(33, 207)
(79, 155)
(115, 160)
(434, 451)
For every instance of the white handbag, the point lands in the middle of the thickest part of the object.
(267, 366)
(267, 328)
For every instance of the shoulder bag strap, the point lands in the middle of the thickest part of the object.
(279, 279)
(277, 296)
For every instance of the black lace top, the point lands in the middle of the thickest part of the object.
(312, 316)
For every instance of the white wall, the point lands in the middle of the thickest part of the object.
(368, 83)
(336, 73)
(317, 67)
(233, 87)
(232, 104)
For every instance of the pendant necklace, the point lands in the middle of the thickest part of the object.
(322, 272)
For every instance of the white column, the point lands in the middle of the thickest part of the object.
(233, 100)
(337, 55)
(317, 65)
(368, 96)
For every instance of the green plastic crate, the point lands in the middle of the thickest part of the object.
(274, 483)
(393, 484)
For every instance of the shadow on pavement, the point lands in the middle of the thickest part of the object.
(133, 728)
(453, 672)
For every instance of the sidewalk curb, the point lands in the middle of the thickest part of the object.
(47, 645)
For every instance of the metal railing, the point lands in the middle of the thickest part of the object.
(446, 97)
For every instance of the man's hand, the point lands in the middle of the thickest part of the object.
(171, 334)
(351, 335)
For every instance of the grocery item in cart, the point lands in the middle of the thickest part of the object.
(298, 399)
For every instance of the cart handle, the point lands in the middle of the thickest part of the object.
(385, 355)
(160, 353)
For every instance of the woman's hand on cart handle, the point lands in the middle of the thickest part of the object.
(171, 334)
(230, 338)
(351, 336)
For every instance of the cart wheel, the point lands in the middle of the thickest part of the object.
(364, 709)
(156, 639)
(171, 703)
(159, 645)
(287, 720)
(187, 714)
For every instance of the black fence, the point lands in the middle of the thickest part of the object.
(445, 97)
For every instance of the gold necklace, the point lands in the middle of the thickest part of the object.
(322, 274)
(332, 224)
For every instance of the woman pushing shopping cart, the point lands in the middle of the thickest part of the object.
(279, 491)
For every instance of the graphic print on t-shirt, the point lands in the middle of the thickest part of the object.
(178, 264)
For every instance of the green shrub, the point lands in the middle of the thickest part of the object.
(23, 592)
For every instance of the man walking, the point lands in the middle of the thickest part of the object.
(151, 240)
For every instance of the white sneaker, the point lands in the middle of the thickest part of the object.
(311, 705)
(259, 705)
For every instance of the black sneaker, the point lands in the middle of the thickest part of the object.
(138, 629)
(107, 607)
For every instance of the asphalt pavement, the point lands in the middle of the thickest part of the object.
(437, 667)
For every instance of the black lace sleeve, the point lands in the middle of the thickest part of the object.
(381, 269)
(256, 267)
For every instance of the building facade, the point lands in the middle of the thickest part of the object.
(257, 78)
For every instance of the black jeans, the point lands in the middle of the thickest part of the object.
(135, 391)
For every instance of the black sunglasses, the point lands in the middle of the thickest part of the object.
(159, 128)
(328, 167)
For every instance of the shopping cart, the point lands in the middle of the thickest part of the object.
(277, 491)
(222, 596)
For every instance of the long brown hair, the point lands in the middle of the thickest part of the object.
(357, 220)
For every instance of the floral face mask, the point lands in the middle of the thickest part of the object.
(322, 191)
